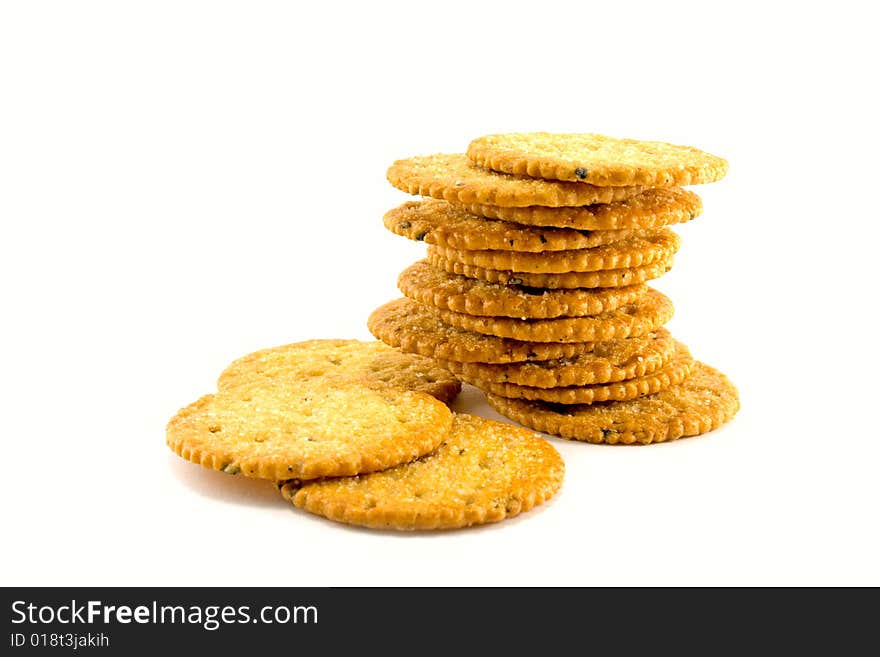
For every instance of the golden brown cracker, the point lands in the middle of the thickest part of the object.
(427, 284)
(452, 177)
(605, 362)
(702, 402)
(636, 251)
(596, 159)
(646, 314)
(282, 429)
(672, 373)
(653, 208)
(372, 364)
(483, 472)
(415, 328)
(439, 223)
(569, 280)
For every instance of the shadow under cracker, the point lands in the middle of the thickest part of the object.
(230, 489)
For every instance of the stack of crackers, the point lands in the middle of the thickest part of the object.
(540, 248)
(361, 433)
(534, 290)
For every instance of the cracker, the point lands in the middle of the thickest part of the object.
(427, 284)
(702, 402)
(674, 372)
(569, 280)
(636, 251)
(452, 177)
(596, 159)
(372, 364)
(644, 315)
(653, 208)
(415, 328)
(442, 224)
(605, 362)
(282, 429)
(484, 471)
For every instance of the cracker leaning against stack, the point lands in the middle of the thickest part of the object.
(534, 288)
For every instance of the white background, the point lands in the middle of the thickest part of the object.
(182, 183)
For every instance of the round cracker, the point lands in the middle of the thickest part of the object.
(442, 224)
(636, 251)
(702, 402)
(568, 280)
(596, 159)
(452, 177)
(372, 364)
(415, 328)
(606, 362)
(648, 313)
(674, 372)
(282, 429)
(483, 472)
(427, 284)
(653, 208)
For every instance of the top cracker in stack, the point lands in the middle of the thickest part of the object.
(540, 246)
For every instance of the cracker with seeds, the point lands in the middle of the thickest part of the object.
(483, 472)
(644, 315)
(283, 429)
(427, 284)
(452, 177)
(653, 208)
(701, 403)
(672, 373)
(636, 251)
(596, 159)
(414, 328)
(605, 362)
(442, 224)
(372, 364)
(568, 280)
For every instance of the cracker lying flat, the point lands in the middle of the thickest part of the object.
(704, 401)
(596, 159)
(484, 471)
(644, 315)
(636, 251)
(653, 208)
(672, 373)
(427, 284)
(284, 429)
(605, 362)
(438, 222)
(568, 280)
(415, 328)
(372, 364)
(452, 177)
